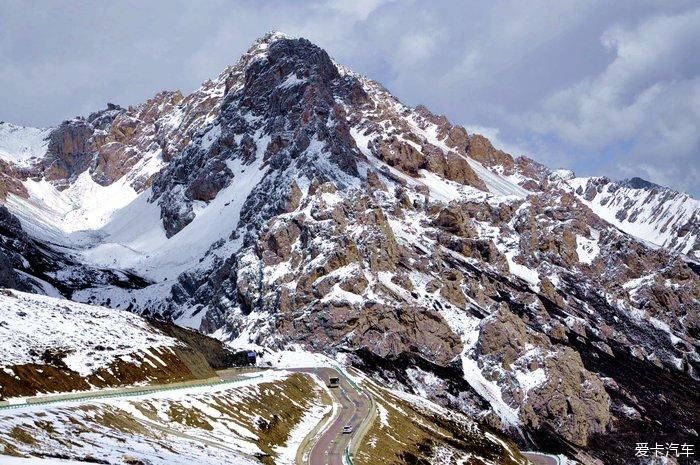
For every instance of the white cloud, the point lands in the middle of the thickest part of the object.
(616, 104)
(414, 48)
(359, 9)
(647, 100)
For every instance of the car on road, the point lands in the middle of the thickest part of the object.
(347, 429)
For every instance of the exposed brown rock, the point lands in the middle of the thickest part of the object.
(572, 399)
(374, 182)
(11, 182)
(400, 155)
(481, 149)
(453, 220)
(295, 195)
(279, 240)
(457, 138)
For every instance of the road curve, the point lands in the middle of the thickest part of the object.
(330, 446)
(537, 458)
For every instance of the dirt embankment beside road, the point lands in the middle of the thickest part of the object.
(195, 358)
(217, 355)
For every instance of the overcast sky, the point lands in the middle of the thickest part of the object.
(603, 88)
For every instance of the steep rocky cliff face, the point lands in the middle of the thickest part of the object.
(292, 202)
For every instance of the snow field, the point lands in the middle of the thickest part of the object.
(91, 337)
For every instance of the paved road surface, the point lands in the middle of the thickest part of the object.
(541, 459)
(330, 446)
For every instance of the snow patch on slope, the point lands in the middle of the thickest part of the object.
(30, 324)
(523, 272)
(587, 249)
(85, 205)
(21, 145)
(467, 327)
(286, 454)
(160, 438)
(653, 215)
(134, 237)
(531, 379)
(496, 183)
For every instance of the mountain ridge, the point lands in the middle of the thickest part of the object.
(291, 202)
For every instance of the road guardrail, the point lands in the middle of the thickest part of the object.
(139, 392)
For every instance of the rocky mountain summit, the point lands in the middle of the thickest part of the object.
(291, 202)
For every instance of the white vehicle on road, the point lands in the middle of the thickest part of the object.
(347, 429)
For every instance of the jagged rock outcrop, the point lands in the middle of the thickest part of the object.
(69, 152)
(11, 181)
(546, 382)
(10, 234)
(279, 111)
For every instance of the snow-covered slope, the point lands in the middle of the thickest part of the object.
(232, 423)
(22, 145)
(84, 206)
(134, 237)
(650, 212)
(32, 324)
(52, 345)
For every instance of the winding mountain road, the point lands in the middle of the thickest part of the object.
(326, 445)
(355, 408)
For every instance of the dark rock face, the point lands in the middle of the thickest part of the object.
(10, 234)
(639, 183)
(10, 225)
(8, 276)
(282, 112)
(69, 152)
